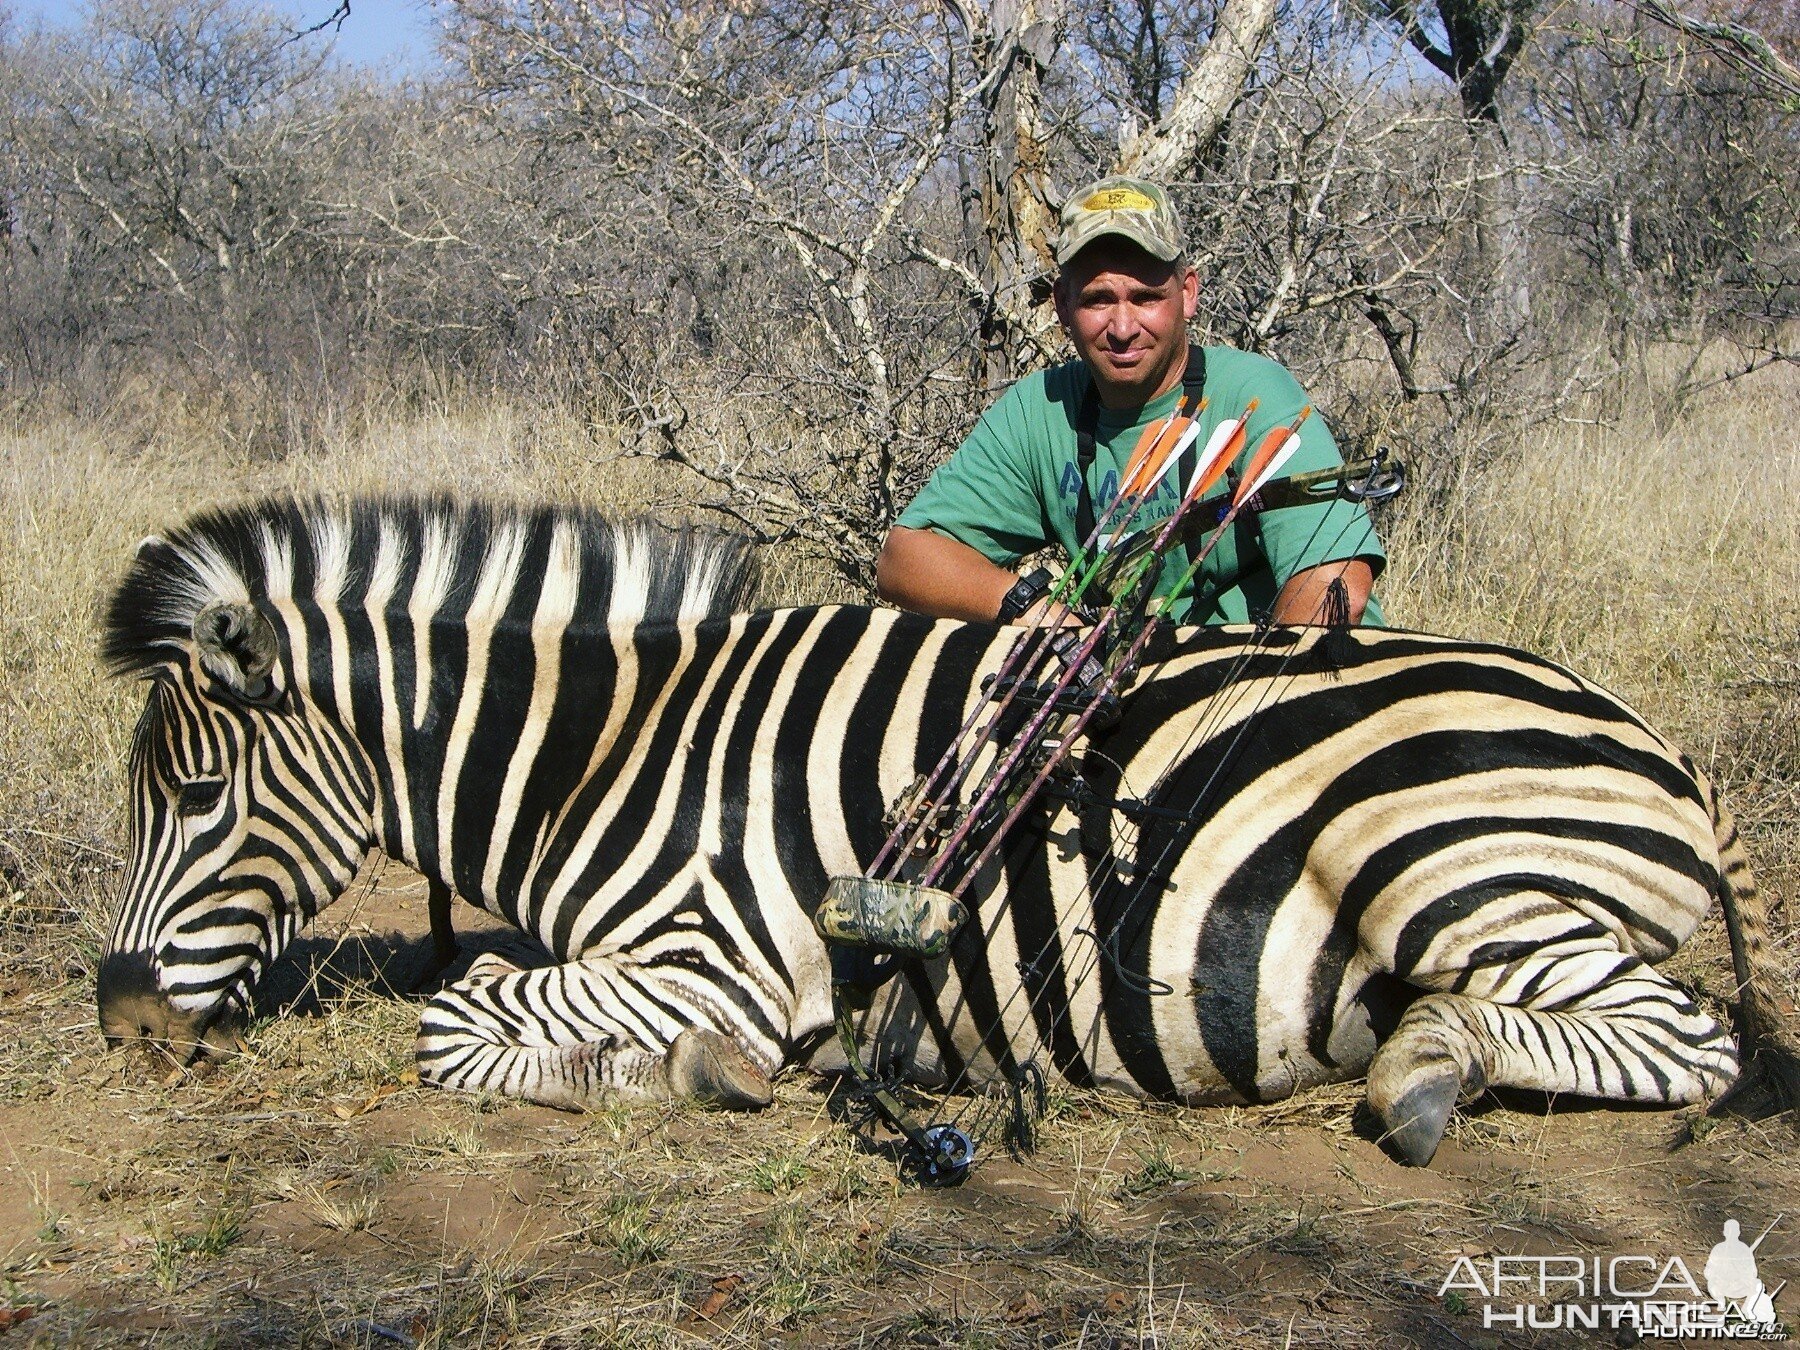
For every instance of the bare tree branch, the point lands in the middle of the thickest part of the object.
(1216, 82)
(1744, 48)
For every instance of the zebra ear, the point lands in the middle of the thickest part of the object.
(237, 647)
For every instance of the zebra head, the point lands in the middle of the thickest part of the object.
(250, 810)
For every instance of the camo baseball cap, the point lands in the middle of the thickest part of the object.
(1134, 208)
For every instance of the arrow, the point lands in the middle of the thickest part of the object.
(1227, 444)
(1190, 433)
(1169, 461)
(912, 815)
(1151, 454)
(1276, 450)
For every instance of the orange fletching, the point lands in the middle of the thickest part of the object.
(1272, 445)
(1152, 449)
(1266, 452)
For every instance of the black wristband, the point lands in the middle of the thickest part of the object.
(1025, 593)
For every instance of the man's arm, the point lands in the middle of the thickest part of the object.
(1302, 599)
(931, 573)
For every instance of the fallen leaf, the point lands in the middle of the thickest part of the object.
(714, 1303)
(385, 1090)
(1027, 1307)
(1118, 1302)
(344, 1111)
(11, 1317)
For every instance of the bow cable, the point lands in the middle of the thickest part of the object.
(1106, 945)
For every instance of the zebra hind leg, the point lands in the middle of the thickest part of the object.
(569, 1036)
(1591, 1023)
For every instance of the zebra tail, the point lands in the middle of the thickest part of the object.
(1770, 1080)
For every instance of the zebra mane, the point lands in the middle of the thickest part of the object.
(454, 552)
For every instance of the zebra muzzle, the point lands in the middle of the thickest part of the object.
(134, 1011)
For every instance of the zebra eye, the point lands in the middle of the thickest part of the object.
(199, 796)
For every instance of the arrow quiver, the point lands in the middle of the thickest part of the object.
(1056, 684)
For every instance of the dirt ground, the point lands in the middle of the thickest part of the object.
(312, 1194)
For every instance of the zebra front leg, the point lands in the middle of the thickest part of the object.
(1591, 1023)
(568, 1036)
(440, 901)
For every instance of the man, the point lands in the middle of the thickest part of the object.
(1124, 294)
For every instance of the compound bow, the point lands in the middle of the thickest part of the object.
(1054, 684)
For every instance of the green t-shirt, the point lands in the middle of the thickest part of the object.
(1012, 487)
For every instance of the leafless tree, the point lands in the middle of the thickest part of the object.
(1476, 43)
(876, 177)
(1681, 219)
(795, 246)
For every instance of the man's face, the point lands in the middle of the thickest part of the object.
(1127, 314)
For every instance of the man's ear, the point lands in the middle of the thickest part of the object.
(237, 647)
(1190, 292)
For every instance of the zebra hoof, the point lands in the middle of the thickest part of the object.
(1414, 1122)
(714, 1069)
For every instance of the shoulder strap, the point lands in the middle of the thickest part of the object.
(1193, 389)
(1087, 424)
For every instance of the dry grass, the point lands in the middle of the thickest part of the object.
(311, 1194)
(1664, 565)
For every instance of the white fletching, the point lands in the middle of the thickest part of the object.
(1180, 448)
(1188, 437)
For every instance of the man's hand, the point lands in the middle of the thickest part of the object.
(1302, 600)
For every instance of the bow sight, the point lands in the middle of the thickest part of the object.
(1057, 683)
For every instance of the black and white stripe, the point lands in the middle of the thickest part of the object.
(571, 723)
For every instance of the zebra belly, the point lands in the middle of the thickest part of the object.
(920, 1027)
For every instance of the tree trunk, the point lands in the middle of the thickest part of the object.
(1014, 50)
(1018, 224)
(1500, 236)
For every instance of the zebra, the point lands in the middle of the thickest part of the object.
(1442, 864)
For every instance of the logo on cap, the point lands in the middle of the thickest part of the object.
(1119, 199)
